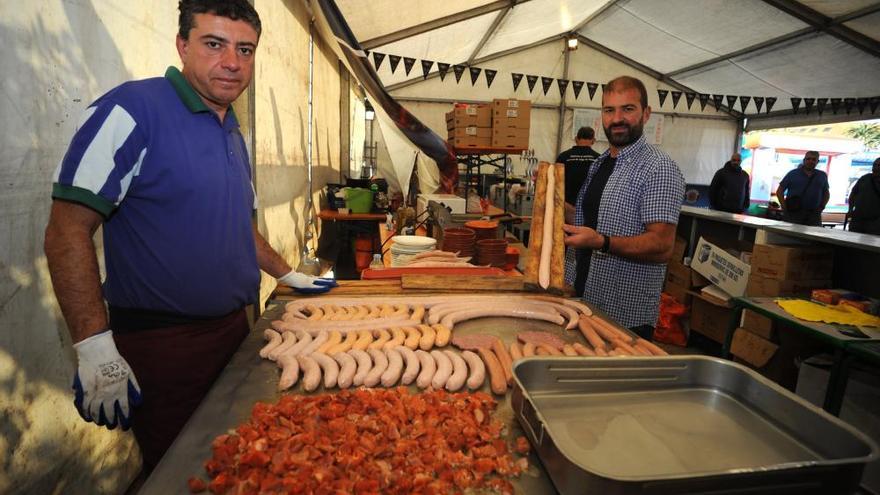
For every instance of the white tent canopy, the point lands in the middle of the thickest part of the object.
(764, 48)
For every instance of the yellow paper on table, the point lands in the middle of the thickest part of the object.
(842, 314)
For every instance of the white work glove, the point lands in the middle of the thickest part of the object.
(307, 284)
(105, 388)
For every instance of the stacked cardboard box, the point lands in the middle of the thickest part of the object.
(500, 124)
(680, 279)
(470, 125)
(511, 121)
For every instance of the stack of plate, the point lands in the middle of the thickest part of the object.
(484, 229)
(404, 247)
(459, 240)
(492, 252)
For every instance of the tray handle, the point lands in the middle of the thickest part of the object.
(535, 426)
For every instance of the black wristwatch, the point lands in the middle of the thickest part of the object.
(606, 244)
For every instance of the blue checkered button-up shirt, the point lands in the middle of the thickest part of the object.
(645, 187)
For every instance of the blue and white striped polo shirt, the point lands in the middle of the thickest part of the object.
(174, 186)
(645, 187)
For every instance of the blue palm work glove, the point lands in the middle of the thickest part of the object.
(307, 284)
(105, 389)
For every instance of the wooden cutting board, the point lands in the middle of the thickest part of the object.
(397, 272)
(470, 282)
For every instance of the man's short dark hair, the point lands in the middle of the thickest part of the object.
(814, 153)
(624, 83)
(237, 10)
(585, 132)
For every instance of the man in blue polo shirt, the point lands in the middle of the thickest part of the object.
(803, 192)
(161, 165)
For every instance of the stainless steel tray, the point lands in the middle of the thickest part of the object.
(689, 424)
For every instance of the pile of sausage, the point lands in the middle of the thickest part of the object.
(366, 441)
(438, 259)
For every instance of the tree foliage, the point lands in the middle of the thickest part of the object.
(868, 134)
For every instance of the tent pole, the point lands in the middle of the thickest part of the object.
(566, 55)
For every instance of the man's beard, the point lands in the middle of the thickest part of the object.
(632, 134)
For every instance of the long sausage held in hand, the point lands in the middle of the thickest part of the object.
(547, 234)
(477, 370)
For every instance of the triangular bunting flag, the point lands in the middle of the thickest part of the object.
(517, 78)
(848, 104)
(744, 102)
(408, 64)
(861, 103)
(704, 99)
(442, 69)
(475, 74)
(377, 59)
(759, 103)
(393, 60)
(367, 54)
(661, 93)
(820, 104)
(490, 76)
(795, 104)
(676, 96)
(458, 70)
(835, 104)
(717, 99)
(591, 88)
(689, 98)
(875, 102)
(577, 86)
(771, 100)
(731, 101)
(545, 83)
(563, 85)
(531, 80)
(426, 68)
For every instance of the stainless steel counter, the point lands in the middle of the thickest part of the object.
(249, 379)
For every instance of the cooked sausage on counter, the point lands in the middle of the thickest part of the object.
(477, 375)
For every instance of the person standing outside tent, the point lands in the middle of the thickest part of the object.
(626, 213)
(803, 192)
(161, 165)
(729, 190)
(577, 161)
(864, 203)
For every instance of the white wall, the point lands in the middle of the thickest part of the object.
(59, 56)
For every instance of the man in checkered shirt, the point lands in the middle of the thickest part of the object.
(625, 215)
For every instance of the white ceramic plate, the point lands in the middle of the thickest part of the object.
(414, 241)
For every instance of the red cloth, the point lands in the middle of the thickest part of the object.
(175, 367)
(669, 330)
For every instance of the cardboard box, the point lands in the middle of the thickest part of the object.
(470, 131)
(710, 319)
(698, 280)
(760, 286)
(678, 291)
(511, 113)
(679, 249)
(751, 348)
(757, 324)
(510, 137)
(678, 273)
(475, 114)
(723, 269)
(471, 142)
(792, 262)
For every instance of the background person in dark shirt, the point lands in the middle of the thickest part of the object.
(577, 161)
(729, 190)
(803, 192)
(864, 203)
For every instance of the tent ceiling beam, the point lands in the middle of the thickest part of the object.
(489, 33)
(437, 23)
(477, 61)
(594, 15)
(647, 70)
(827, 25)
(862, 12)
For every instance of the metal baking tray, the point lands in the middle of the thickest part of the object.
(691, 424)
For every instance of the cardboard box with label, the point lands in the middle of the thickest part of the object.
(511, 113)
(757, 324)
(510, 137)
(472, 114)
(679, 274)
(723, 269)
(710, 319)
(751, 348)
(792, 262)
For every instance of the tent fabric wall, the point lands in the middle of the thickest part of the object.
(699, 146)
(281, 127)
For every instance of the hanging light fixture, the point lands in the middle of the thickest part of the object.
(572, 42)
(369, 114)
